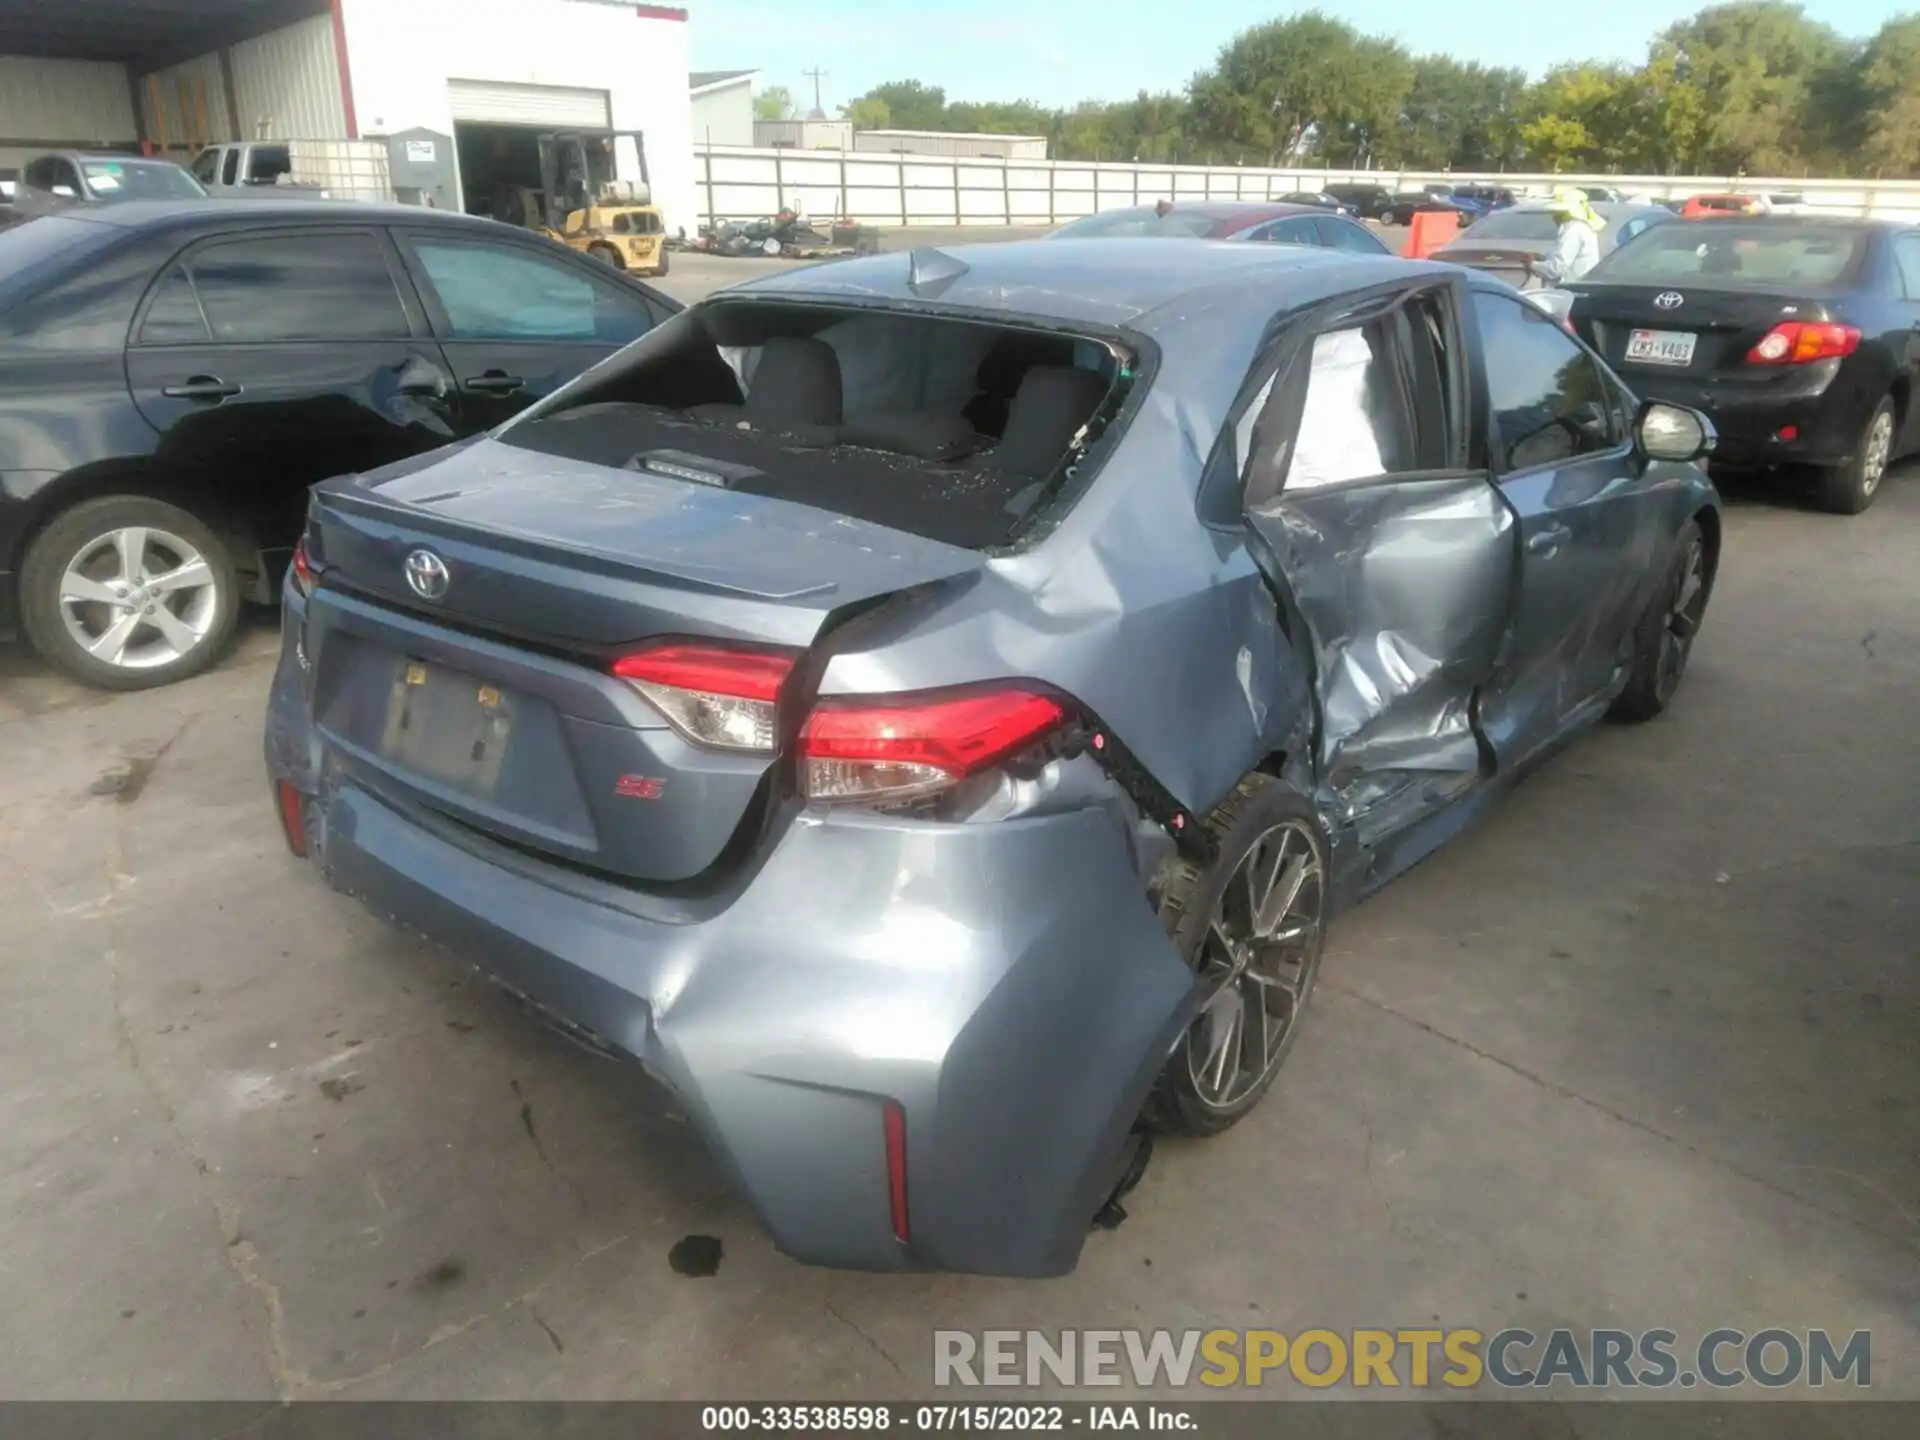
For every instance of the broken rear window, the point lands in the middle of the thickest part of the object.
(947, 428)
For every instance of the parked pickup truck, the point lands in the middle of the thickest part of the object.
(294, 170)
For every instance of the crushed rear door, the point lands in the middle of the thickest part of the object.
(1399, 558)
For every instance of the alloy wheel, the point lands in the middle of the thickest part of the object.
(1877, 451)
(138, 598)
(1257, 962)
(1683, 619)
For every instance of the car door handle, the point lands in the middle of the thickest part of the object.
(203, 387)
(1545, 542)
(496, 382)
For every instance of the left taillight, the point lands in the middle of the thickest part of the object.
(1801, 342)
(293, 816)
(722, 698)
(884, 749)
(304, 571)
(892, 749)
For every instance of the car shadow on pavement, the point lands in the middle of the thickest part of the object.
(30, 686)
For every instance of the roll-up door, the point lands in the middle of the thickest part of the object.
(545, 105)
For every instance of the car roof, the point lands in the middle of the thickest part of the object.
(1101, 281)
(1605, 209)
(116, 156)
(1865, 224)
(192, 214)
(1229, 216)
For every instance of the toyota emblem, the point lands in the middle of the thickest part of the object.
(1669, 300)
(427, 574)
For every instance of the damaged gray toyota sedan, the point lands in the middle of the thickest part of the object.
(928, 708)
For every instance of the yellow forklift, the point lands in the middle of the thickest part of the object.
(592, 209)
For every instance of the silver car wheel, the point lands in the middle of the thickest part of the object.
(1879, 449)
(138, 598)
(1258, 960)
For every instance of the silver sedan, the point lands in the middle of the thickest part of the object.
(1508, 241)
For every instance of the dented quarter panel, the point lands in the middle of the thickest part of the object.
(1163, 628)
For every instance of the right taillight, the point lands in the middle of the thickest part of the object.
(1801, 342)
(715, 696)
(304, 572)
(895, 748)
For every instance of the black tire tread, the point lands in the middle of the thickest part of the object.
(1640, 700)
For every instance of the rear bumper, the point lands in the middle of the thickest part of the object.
(1825, 424)
(1007, 984)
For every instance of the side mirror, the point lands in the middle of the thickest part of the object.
(1673, 432)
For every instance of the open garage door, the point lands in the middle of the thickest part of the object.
(547, 106)
(496, 133)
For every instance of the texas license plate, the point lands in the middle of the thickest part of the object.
(447, 726)
(1661, 347)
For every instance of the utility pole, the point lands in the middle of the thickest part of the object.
(816, 76)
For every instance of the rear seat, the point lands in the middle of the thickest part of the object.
(795, 391)
(1049, 408)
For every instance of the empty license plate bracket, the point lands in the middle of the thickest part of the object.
(447, 726)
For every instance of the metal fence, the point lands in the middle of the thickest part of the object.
(937, 190)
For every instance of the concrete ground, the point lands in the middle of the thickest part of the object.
(1641, 1050)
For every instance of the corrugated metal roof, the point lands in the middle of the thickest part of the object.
(150, 32)
(701, 79)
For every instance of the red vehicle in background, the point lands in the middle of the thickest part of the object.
(1702, 207)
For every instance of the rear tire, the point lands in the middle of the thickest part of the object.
(1849, 489)
(661, 268)
(127, 593)
(1252, 924)
(607, 255)
(1663, 638)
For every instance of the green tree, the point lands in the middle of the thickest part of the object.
(1459, 114)
(1309, 84)
(1581, 118)
(1888, 98)
(869, 113)
(1756, 67)
(911, 105)
(773, 103)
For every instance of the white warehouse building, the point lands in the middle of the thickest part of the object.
(489, 75)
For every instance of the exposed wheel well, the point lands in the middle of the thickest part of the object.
(1901, 394)
(225, 519)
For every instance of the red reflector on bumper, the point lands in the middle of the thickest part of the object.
(293, 817)
(896, 1126)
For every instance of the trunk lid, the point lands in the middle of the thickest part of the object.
(493, 703)
(1725, 324)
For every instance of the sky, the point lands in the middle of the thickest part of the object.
(1061, 51)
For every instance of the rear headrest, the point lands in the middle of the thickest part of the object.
(1053, 402)
(1011, 356)
(797, 382)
